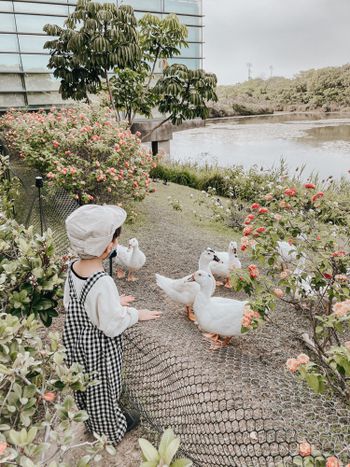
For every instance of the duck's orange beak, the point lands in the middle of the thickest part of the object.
(191, 278)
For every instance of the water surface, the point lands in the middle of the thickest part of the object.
(322, 143)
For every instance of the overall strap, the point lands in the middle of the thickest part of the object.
(72, 291)
(89, 284)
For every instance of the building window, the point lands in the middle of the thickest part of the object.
(147, 5)
(10, 82)
(41, 82)
(35, 62)
(7, 23)
(9, 62)
(23, 7)
(194, 34)
(32, 23)
(34, 43)
(6, 6)
(193, 50)
(11, 100)
(8, 43)
(191, 7)
(191, 63)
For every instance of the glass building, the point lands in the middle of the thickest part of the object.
(25, 79)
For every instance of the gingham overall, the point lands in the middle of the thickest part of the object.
(99, 355)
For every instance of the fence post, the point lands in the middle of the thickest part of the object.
(39, 183)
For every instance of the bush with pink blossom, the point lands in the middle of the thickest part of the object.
(81, 149)
(304, 262)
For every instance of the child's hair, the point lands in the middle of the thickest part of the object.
(117, 233)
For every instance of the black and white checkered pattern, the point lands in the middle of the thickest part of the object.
(100, 356)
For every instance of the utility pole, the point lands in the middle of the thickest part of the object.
(249, 66)
(271, 71)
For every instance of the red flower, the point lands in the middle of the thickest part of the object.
(247, 231)
(243, 247)
(326, 275)
(338, 254)
(247, 221)
(333, 462)
(309, 186)
(55, 144)
(251, 216)
(290, 192)
(263, 211)
(261, 229)
(317, 196)
(255, 206)
(253, 271)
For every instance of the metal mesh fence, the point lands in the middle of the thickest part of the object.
(233, 407)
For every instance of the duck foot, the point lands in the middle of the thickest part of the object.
(131, 277)
(217, 343)
(228, 284)
(190, 314)
(219, 283)
(120, 273)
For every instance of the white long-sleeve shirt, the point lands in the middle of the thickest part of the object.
(103, 305)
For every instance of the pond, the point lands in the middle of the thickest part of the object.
(321, 143)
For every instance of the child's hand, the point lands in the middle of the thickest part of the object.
(126, 299)
(145, 315)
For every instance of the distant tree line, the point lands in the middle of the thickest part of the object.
(325, 89)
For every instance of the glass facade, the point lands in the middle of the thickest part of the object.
(25, 79)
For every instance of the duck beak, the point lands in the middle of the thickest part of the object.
(191, 279)
(216, 259)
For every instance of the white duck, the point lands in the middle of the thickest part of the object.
(228, 262)
(183, 291)
(132, 259)
(216, 315)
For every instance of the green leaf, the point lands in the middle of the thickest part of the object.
(150, 452)
(172, 450)
(182, 463)
(166, 439)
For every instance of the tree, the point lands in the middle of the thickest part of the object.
(95, 39)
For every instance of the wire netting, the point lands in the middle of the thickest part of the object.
(233, 407)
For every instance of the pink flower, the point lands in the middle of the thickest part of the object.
(277, 217)
(247, 221)
(347, 345)
(304, 449)
(95, 138)
(268, 197)
(73, 170)
(51, 175)
(3, 447)
(338, 254)
(332, 462)
(278, 293)
(255, 206)
(341, 308)
(290, 192)
(292, 364)
(284, 274)
(342, 278)
(263, 211)
(251, 216)
(317, 196)
(303, 359)
(284, 204)
(247, 231)
(64, 171)
(260, 229)
(55, 144)
(49, 396)
(309, 186)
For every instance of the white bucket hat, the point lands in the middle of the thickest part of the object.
(90, 228)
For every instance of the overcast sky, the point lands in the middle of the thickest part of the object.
(290, 35)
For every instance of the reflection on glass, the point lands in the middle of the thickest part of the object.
(9, 62)
(8, 43)
(34, 43)
(7, 23)
(190, 20)
(41, 82)
(32, 23)
(183, 6)
(11, 100)
(148, 5)
(6, 6)
(42, 8)
(10, 82)
(140, 14)
(35, 62)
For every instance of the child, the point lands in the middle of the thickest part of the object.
(96, 317)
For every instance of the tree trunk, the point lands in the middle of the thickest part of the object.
(117, 116)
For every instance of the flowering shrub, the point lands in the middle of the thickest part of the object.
(30, 272)
(81, 149)
(308, 264)
(37, 411)
(9, 187)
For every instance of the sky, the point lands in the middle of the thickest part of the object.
(289, 35)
